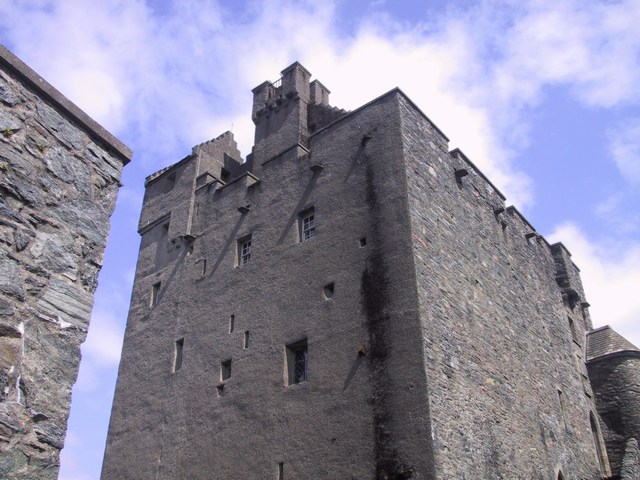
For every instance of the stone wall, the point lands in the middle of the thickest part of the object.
(507, 386)
(59, 178)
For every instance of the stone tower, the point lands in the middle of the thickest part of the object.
(59, 178)
(353, 301)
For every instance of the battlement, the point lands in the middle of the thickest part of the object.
(287, 111)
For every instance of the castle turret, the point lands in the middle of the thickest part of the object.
(613, 364)
(280, 113)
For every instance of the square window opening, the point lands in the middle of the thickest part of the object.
(297, 362)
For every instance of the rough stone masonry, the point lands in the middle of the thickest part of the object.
(59, 178)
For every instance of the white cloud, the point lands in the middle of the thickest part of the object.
(610, 274)
(104, 340)
(624, 147)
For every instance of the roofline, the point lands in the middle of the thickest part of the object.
(377, 99)
(457, 151)
(611, 355)
(50, 93)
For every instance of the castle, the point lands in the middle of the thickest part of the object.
(355, 301)
(59, 178)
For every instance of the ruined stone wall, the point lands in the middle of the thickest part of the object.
(59, 178)
(508, 396)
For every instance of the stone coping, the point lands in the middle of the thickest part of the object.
(46, 90)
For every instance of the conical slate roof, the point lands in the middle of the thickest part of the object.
(605, 341)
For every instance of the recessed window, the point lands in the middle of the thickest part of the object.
(246, 340)
(297, 365)
(363, 242)
(307, 224)
(232, 321)
(574, 333)
(562, 408)
(177, 362)
(225, 370)
(328, 290)
(155, 294)
(244, 250)
(280, 471)
(203, 266)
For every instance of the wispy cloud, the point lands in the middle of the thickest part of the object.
(624, 146)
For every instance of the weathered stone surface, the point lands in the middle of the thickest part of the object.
(22, 238)
(67, 303)
(91, 221)
(8, 124)
(54, 221)
(5, 307)
(65, 132)
(68, 168)
(56, 252)
(6, 93)
(10, 281)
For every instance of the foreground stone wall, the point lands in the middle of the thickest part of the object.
(59, 178)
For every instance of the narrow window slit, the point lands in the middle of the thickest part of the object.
(246, 340)
(225, 370)
(155, 294)
(177, 362)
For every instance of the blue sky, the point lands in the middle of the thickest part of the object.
(542, 95)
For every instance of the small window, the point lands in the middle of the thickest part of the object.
(562, 408)
(574, 333)
(297, 367)
(203, 266)
(177, 362)
(280, 471)
(307, 224)
(328, 290)
(232, 323)
(244, 250)
(363, 242)
(155, 294)
(225, 370)
(246, 340)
